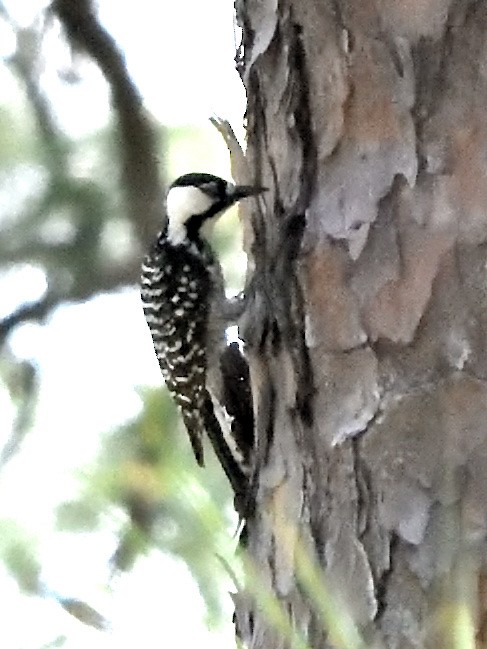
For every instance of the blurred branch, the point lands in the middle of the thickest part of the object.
(138, 141)
(112, 278)
(25, 63)
(81, 267)
(138, 146)
(85, 613)
(31, 311)
(22, 384)
(12, 446)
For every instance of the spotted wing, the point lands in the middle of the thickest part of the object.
(175, 295)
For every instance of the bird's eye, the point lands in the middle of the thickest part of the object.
(211, 188)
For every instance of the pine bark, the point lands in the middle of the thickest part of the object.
(366, 328)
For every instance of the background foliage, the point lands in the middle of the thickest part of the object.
(90, 444)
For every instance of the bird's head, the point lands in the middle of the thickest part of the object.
(197, 200)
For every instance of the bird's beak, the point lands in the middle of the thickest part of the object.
(242, 191)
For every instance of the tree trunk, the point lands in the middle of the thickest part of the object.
(366, 329)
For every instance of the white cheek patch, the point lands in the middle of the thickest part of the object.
(181, 204)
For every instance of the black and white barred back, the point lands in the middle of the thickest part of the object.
(176, 287)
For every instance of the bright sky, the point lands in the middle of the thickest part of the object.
(181, 56)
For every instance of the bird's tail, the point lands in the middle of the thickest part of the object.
(195, 425)
(204, 420)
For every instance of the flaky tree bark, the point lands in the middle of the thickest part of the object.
(367, 322)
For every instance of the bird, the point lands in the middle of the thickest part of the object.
(183, 300)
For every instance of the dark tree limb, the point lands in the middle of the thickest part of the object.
(138, 145)
(84, 259)
(31, 311)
